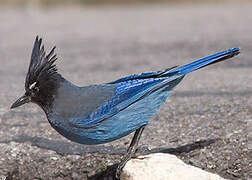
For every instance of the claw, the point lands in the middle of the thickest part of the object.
(130, 152)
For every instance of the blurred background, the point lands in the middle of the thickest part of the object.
(99, 41)
(106, 2)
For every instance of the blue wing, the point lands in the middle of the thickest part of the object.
(153, 74)
(127, 93)
(133, 88)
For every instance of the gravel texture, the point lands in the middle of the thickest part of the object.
(205, 121)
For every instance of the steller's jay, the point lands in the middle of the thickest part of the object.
(102, 113)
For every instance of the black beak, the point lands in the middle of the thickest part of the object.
(24, 99)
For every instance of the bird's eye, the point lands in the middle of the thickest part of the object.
(36, 89)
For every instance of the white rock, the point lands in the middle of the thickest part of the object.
(162, 166)
(54, 158)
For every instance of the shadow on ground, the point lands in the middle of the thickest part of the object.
(68, 148)
(110, 171)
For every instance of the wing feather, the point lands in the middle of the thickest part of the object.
(127, 93)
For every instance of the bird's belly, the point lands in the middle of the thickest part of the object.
(119, 125)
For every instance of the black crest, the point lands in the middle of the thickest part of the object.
(42, 67)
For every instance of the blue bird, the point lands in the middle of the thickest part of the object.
(102, 113)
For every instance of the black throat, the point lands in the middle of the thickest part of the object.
(48, 92)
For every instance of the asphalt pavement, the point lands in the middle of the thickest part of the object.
(205, 121)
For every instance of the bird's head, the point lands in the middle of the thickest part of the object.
(41, 79)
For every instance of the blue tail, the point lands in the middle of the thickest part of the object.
(205, 61)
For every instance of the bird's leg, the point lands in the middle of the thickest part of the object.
(131, 150)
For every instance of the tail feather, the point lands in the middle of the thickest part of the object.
(205, 61)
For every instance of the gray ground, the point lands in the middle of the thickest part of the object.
(204, 122)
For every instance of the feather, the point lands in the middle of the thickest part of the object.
(42, 67)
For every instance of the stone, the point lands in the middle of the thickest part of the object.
(161, 166)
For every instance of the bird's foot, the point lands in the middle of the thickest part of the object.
(131, 154)
(125, 159)
(131, 151)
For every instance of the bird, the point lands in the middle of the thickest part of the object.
(101, 113)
